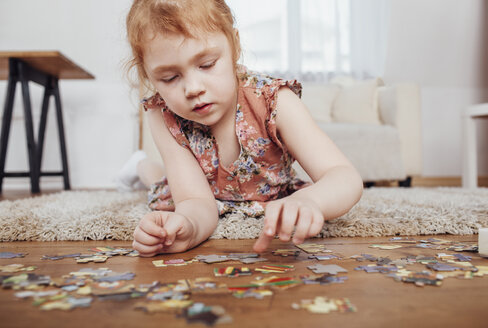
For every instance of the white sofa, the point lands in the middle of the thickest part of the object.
(377, 127)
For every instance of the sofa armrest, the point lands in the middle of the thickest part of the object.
(399, 106)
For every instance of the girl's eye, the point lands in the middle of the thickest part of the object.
(209, 64)
(168, 80)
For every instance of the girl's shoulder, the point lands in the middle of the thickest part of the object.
(263, 84)
(153, 102)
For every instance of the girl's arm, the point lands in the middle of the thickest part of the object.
(337, 185)
(195, 216)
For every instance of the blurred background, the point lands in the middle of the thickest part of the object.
(441, 45)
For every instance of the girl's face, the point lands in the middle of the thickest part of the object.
(195, 77)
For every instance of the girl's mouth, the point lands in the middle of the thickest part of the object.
(201, 108)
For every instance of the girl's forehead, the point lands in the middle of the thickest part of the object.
(177, 40)
(170, 42)
(165, 49)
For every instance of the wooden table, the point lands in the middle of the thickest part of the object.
(470, 170)
(44, 68)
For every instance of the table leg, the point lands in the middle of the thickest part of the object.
(6, 121)
(42, 128)
(29, 128)
(62, 143)
(470, 170)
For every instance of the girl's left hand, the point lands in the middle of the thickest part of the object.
(283, 215)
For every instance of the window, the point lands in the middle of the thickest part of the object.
(309, 39)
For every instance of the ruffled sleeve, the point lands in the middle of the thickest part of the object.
(270, 93)
(173, 122)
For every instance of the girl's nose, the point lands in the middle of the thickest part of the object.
(194, 87)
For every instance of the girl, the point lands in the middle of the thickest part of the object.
(227, 136)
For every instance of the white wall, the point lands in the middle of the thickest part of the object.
(100, 115)
(443, 46)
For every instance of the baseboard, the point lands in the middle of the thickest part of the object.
(24, 183)
(444, 181)
(419, 181)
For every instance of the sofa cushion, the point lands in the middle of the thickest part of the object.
(357, 102)
(374, 150)
(319, 99)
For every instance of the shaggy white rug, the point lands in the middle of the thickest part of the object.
(97, 215)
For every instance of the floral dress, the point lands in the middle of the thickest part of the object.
(262, 172)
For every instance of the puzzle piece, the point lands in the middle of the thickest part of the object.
(275, 268)
(274, 281)
(92, 258)
(253, 260)
(246, 292)
(115, 277)
(313, 248)
(172, 262)
(232, 272)
(324, 279)
(210, 315)
(25, 281)
(324, 305)
(10, 255)
(213, 258)
(385, 246)
(442, 267)
(377, 268)
(284, 252)
(482, 270)
(330, 268)
(323, 257)
(403, 240)
(11, 268)
(67, 303)
(418, 278)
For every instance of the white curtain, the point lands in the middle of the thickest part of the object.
(313, 39)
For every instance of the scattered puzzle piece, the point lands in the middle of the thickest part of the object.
(10, 268)
(313, 248)
(385, 246)
(210, 315)
(324, 305)
(324, 279)
(92, 258)
(275, 268)
(330, 268)
(172, 262)
(10, 255)
(284, 252)
(232, 272)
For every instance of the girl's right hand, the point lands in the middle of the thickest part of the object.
(162, 232)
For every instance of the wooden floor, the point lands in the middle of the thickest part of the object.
(381, 301)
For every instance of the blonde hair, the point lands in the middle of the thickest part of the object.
(191, 18)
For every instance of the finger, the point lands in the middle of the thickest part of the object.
(271, 217)
(316, 225)
(173, 226)
(288, 220)
(153, 225)
(303, 225)
(146, 251)
(146, 239)
(263, 242)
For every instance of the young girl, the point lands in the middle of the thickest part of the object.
(228, 136)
